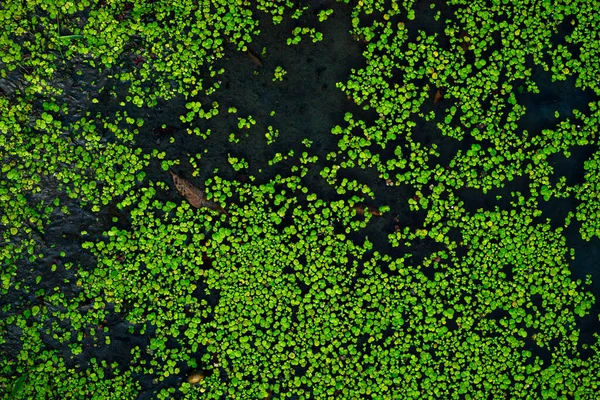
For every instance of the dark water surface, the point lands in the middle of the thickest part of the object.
(307, 105)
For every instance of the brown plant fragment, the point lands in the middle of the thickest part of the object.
(438, 96)
(255, 60)
(465, 42)
(361, 210)
(193, 195)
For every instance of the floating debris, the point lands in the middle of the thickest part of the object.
(465, 42)
(193, 195)
(361, 210)
(255, 60)
(438, 96)
(195, 377)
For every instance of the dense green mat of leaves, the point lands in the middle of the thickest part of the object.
(422, 245)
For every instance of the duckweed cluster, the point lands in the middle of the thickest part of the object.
(415, 258)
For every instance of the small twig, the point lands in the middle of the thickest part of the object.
(71, 37)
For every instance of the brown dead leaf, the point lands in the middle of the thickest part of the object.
(193, 195)
(466, 40)
(375, 212)
(361, 210)
(438, 97)
(255, 60)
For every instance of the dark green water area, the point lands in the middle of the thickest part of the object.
(404, 199)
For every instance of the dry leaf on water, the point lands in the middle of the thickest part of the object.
(193, 195)
(360, 210)
(438, 97)
(464, 44)
(255, 60)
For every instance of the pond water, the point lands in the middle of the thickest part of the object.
(306, 105)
